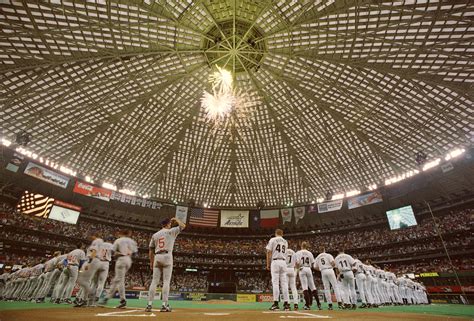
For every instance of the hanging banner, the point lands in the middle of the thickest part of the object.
(286, 215)
(366, 199)
(92, 191)
(330, 206)
(299, 213)
(46, 175)
(134, 200)
(182, 213)
(235, 219)
(269, 218)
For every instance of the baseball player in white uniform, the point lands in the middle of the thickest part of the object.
(124, 247)
(305, 261)
(87, 272)
(360, 278)
(374, 288)
(370, 281)
(291, 273)
(345, 263)
(276, 263)
(325, 263)
(161, 260)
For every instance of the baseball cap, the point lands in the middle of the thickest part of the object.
(165, 222)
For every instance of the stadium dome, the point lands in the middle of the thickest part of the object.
(342, 94)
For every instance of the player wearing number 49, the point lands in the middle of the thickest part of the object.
(161, 260)
(276, 263)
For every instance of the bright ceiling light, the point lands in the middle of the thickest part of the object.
(338, 196)
(89, 179)
(352, 193)
(6, 142)
(109, 186)
(128, 192)
(455, 153)
(431, 164)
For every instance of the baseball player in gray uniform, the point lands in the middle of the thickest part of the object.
(161, 260)
(87, 272)
(74, 259)
(124, 247)
(105, 257)
(276, 263)
(62, 278)
(47, 278)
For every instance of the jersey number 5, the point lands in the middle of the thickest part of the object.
(161, 242)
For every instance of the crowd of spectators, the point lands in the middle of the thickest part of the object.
(378, 244)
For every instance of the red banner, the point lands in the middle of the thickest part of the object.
(68, 205)
(92, 191)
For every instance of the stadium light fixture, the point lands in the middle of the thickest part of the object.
(352, 193)
(67, 170)
(6, 142)
(109, 186)
(338, 196)
(431, 164)
(454, 153)
(372, 187)
(127, 191)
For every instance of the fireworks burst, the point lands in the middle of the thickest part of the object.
(226, 106)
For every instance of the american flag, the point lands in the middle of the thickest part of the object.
(203, 217)
(35, 204)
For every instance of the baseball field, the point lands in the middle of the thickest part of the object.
(228, 311)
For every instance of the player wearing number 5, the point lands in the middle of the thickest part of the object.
(325, 263)
(276, 263)
(161, 260)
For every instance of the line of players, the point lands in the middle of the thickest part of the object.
(90, 270)
(60, 274)
(376, 287)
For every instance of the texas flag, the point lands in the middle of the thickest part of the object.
(269, 218)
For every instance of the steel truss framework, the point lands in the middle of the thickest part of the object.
(349, 90)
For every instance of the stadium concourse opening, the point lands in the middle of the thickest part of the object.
(236, 160)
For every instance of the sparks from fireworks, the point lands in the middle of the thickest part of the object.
(221, 101)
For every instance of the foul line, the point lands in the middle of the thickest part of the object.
(300, 315)
(124, 314)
